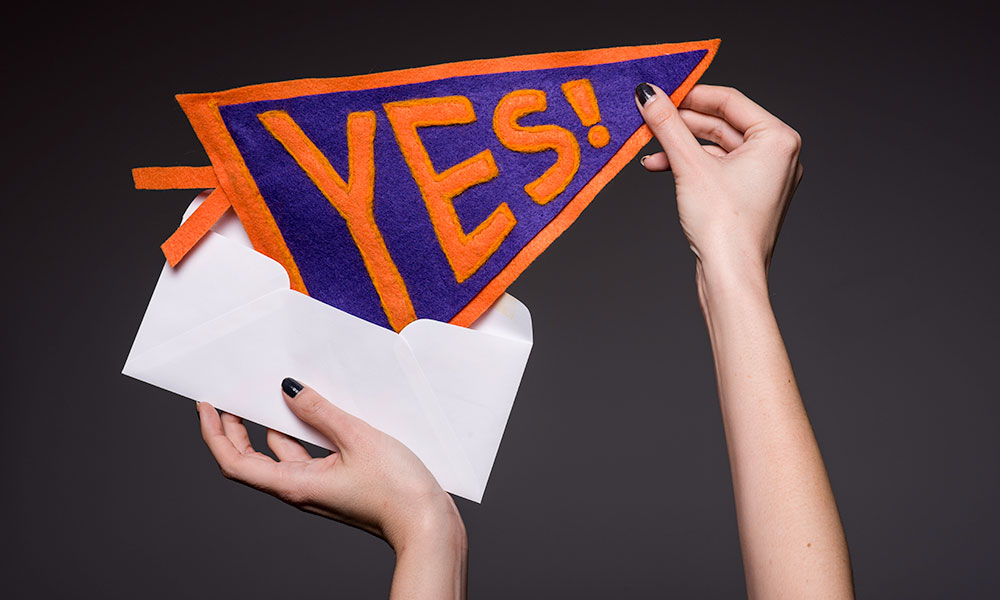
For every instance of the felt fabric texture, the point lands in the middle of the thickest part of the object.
(478, 167)
(580, 95)
(353, 200)
(537, 138)
(465, 252)
(174, 178)
(195, 227)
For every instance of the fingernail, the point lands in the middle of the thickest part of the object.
(196, 409)
(291, 387)
(642, 161)
(644, 92)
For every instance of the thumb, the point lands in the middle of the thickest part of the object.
(335, 424)
(666, 124)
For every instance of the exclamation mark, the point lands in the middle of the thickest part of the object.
(581, 97)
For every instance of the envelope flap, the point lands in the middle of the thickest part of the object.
(475, 373)
(199, 290)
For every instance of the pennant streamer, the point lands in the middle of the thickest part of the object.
(421, 193)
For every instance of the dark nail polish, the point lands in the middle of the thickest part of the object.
(291, 387)
(644, 92)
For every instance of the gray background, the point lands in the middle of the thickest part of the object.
(612, 480)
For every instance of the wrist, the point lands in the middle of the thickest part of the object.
(432, 558)
(727, 296)
(435, 527)
(719, 279)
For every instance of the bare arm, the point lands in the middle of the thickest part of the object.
(790, 532)
(372, 482)
(731, 200)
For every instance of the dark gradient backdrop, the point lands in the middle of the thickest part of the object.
(612, 480)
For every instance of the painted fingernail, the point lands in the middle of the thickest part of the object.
(644, 92)
(291, 387)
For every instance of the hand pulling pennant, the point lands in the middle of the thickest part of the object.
(420, 193)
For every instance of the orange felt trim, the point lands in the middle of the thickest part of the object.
(537, 138)
(355, 200)
(493, 290)
(195, 227)
(466, 252)
(234, 178)
(237, 183)
(174, 178)
(527, 62)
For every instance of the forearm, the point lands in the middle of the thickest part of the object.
(790, 531)
(433, 565)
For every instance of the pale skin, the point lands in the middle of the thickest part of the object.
(732, 197)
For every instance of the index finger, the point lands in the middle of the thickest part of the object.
(728, 103)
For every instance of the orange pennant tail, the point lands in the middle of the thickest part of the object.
(203, 218)
(195, 227)
(174, 178)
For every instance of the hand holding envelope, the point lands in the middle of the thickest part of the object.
(224, 327)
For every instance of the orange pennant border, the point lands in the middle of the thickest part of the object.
(239, 187)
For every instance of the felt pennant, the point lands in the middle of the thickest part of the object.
(421, 193)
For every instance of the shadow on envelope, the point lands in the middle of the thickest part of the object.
(225, 328)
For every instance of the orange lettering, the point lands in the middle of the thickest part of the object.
(537, 138)
(466, 253)
(353, 200)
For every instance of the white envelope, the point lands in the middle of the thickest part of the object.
(224, 327)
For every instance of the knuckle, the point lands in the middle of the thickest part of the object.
(227, 471)
(729, 94)
(310, 404)
(717, 133)
(294, 495)
(788, 140)
(293, 490)
(660, 119)
(796, 139)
